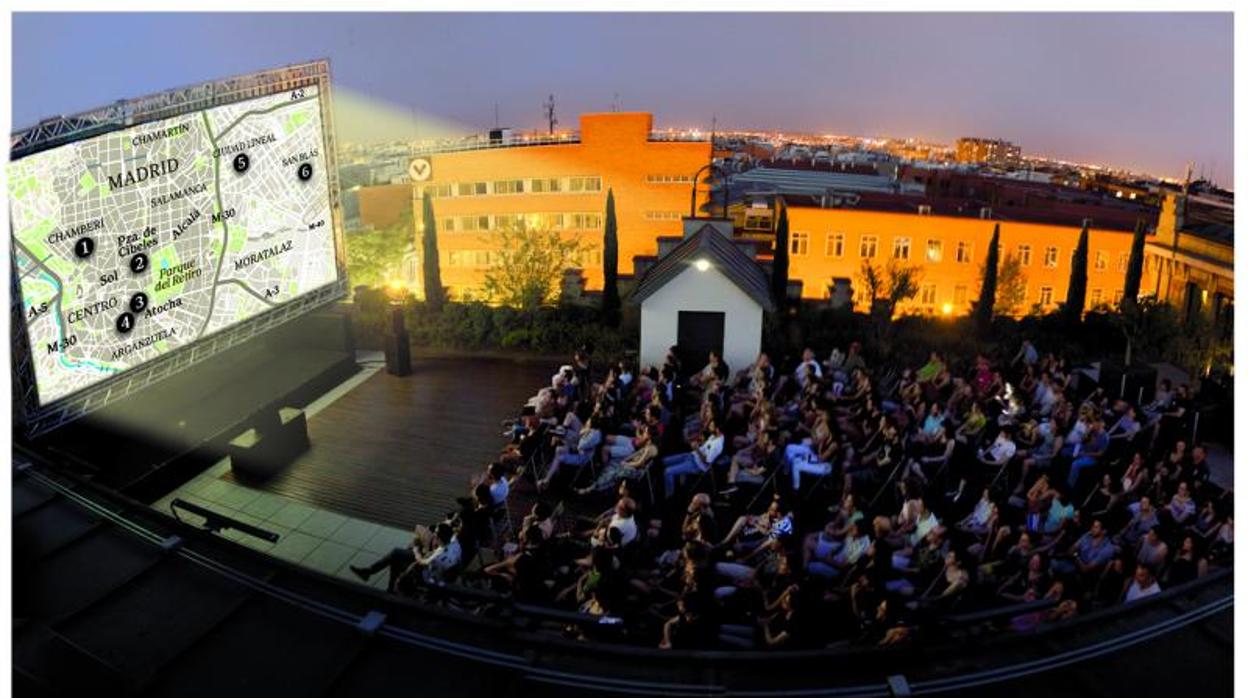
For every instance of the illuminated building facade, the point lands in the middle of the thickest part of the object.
(949, 251)
(1190, 263)
(558, 182)
(987, 151)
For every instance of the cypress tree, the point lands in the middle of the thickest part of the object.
(1135, 269)
(434, 293)
(1077, 289)
(610, 266)
(780, 260)
(988, 288)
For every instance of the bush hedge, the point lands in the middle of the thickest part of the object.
(477, 326)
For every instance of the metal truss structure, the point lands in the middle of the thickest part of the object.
(36, 419)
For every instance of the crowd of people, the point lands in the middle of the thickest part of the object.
(824, 501)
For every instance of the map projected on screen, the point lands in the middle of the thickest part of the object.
(138, 242)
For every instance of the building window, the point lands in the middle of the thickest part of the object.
(1050, 257)
(835, 245)
(448, 225)
(1024, 255)
(545, 186)
(935, 250)
(585, 184)
(1118, 297)
(758, 221)
(927, 294)
(663, 215)
(473, 188)
(669, 179)
(867, 247)
(799, 243)
(963, 253)
(509, 222)
(1046, 296)
(1123, 259)
(1095, 297)
(901, 248)
(509, 186)
(586, 221)
(959, 297)
(1102, 261)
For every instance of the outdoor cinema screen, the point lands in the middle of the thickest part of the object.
(135, 243)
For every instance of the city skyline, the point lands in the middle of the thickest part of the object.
(1090, 88)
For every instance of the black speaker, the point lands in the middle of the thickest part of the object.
(398, 344)
(398, 354)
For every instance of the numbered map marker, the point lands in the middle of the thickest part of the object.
(305, 171)
(138, 263)
(84, 247)
(241, 163)
(125, 323)
(138, 302)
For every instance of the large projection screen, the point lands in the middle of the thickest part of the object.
(146, 241)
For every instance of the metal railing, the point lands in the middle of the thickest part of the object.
(529, 664)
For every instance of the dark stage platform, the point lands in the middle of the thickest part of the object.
(398, 451)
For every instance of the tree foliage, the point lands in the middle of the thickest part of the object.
(988, 283)
(780, 261)
(886, 287)
(610, 266)
(1077, 289)
(528, 268)
(435, 295)
(1135, 269)
(374, 256)
(1011, 285)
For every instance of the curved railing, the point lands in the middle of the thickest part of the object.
(545, 657)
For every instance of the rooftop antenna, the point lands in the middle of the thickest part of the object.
(615, 102)
(548, 111)
(496, 115)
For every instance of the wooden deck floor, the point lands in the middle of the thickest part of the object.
(398, 451)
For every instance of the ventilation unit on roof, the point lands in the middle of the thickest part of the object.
(985, 212)
(1087, 222)
(925, 210)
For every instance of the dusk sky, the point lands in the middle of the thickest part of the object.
(1147, 91)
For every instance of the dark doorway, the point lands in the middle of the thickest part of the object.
(698, 334)
(1191, 302)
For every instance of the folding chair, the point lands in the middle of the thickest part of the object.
(818, 484)
(887, 482)
(708, 473)
(771, 480)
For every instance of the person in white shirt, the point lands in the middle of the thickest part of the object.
(626, 375)
(997, 455)
(808, 367)
(1143, 585)
(500, 486)
(698, 460)
(623, 521)
(434, 567)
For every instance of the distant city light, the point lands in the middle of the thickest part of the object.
(702, 265)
